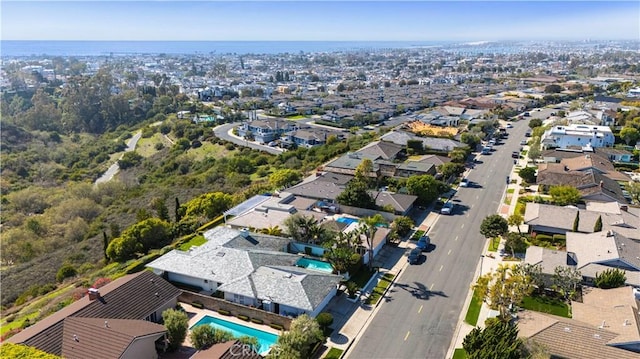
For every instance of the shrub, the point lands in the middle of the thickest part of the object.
(276, 326)
(177, 324)
(324, 319)
(101, 282)
(224, 312)
(242, 317)
(197, 304)
(66, 271)
(202, 336)
(610, 278)
(544, 237)
(257, 321)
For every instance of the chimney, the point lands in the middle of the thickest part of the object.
(601, 184)
(244, 232)
(93, 293)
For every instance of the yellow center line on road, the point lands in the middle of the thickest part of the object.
(420, 310)
(456, 238)
(462, 226)
(442, 266)
(432, 284)
(449, 252)
(406, 336)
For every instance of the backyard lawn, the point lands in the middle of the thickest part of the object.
(546, 304)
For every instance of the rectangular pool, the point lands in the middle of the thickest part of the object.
(315, 265)
(346, 220)
(265, 340)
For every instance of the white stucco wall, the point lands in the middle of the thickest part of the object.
(142, 348)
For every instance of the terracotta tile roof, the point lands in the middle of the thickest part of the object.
(134, 296)
(86, 337)
(227, 350)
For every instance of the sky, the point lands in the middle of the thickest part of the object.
(240, 20)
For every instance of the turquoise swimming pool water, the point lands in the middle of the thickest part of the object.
(346, 220)
(315, 265)
(265, 340)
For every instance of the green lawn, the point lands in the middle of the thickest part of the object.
(510, 190)
(493, 245)
(459, 353)
(417, 235)
(297, 117)
(546, 305)
(195, 241)
(379, 290)
(474, 310)
(361, 278)
(334, 353)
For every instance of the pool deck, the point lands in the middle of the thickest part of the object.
(195, 314)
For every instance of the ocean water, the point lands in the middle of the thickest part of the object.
(14, 48)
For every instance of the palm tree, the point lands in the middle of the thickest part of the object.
(272, 231)
(369, 229)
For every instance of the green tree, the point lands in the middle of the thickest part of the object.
(516, 219)
(493, 226)
(564, 195)
(528, 174)
(370, 227)
(415, 147)
(324, 319)
(66, 271)
(356, 194)
(470, 139)
(634, 191)
(535, 122)
(20, 351)
(202, 336)
(159, 205)
(597, 227)
(139, 238)
(610, 278)
(630, 135)
(284, 177)
(426, 188)
(497, 340)
(504, 288)
(209, 205)
(566, 281)
(129, 159)
(515, 243)
(451, 169)
(576, 222)
(298, 341)
(177, 323)
(553, 88)
(402, 225)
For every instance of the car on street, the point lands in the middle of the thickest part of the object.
(523, 142)
(515, 154)
(509, 125)
(447, 208)
(414, 256)
(423, 242)
(464, 182)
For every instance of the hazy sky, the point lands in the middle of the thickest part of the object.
(319, 20)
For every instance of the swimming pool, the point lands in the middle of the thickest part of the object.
(265, 340)
(315, 265)
(346, 220)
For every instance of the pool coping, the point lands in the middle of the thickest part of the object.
(195, 314)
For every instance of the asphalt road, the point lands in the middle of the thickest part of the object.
(419, 317)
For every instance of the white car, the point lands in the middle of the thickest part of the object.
(447, 208)
(509, 125)
(464, 182)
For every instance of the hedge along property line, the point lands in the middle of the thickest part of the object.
(257, 321)
(214, 222)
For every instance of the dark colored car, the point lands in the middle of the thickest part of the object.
(515, 154)
(414, 256)
(423, 242)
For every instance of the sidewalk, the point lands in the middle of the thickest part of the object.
(351, 319)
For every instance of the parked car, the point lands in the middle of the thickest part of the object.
(464, 182)
(509, 125)
(414, 256)
(423, 242)
(523, 142)
(447, 208)
(515, 154)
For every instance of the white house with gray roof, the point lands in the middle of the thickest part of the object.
(239, 264)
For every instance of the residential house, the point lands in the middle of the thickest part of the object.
(433, 144)
(401, 203)
(115, 321)
(590, 254)
(615, 155)
(308, 137)
(592, 184)
(577, 135)
(245, 269)
(325, 187)
(266, 130)
(549, 219)
(569, 338)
